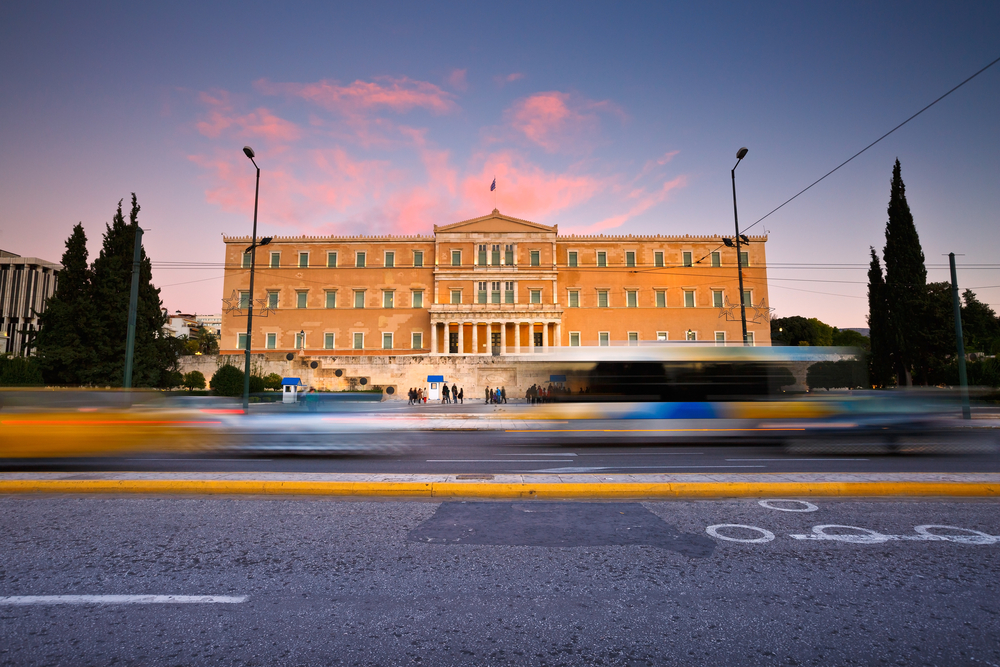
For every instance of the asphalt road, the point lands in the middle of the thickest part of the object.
(317, 581)
(457, 452)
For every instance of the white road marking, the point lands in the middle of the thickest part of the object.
(570, 469)
(809, 507)
(119, 599)
(923, 534)
(766, 535)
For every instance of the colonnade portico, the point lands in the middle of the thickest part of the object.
(494, 331)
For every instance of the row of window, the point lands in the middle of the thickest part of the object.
(493, 254)
(417, 339)
(490, 292)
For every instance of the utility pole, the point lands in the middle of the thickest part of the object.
(963, 380)
(740, 154)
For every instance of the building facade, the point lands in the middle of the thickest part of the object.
(494, 285)
(26, 285)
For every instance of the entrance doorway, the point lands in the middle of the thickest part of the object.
(538, 340)
(453, 342)
(495, 343)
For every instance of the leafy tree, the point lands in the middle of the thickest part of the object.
(20, 372)
(155, 353)
(194, 380)
(980, 326)
(849, 338)
(880, 361)
(228, 381)
(206, 342)
(172, 379)
(272, 381)
(797, 330)
(842, 374)
(905, 285)
(64, 345)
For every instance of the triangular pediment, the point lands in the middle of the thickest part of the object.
(495, 222)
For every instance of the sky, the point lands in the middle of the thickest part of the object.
(614, 118)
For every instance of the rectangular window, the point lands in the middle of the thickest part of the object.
(329, 341)
(272, 299)
(602, 258)
(331, 299)
(536, 258)
(508, 254)
(300, 341)
(691, 335)
(536, 296)
(686, 258)
(574, 339)
(275, 260)
(720, 337)
(508, 291)
(271, 341)
(574, 299)
(716, 259)
(495, 254)
(331, 260)
(745, 259)
(631, 298)
(604, 338)
(359, 299)
(495, 291)
(747, 298)
(661, 299)
(630, 258)
(662, 336)
(418, 258)
(300, 299)
(388, 298)
(689, 298)
(246, 260)
(360, 260)
(571, 258)
(482, 254)
(418, 299)
(390, 259)
(241, 341)
(602, 298)
(456, 258)
(456, 296)
(244, 300)
(303, 260)
(750, 338)
(481, 292)
(387, 341)
(359, 341)
(633, 337)
(658, 258)
(417, 341)
(717, 298)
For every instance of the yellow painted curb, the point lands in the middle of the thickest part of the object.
(496, 490)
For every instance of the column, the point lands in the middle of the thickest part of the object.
(475, 337)
(503, 338)
(434, 337)
(517, 338)
(558, 334)
(545, 337)
(461, 337)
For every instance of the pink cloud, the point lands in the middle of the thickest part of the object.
(400, 95)
(643, 202)
(502, 80)
(558, 121)
(457, 79)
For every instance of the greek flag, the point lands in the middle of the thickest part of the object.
(494, 186)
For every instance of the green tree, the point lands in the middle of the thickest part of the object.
(849, 338)
(20, 372)
(797, 330)
(880, 368)
(227, 381)
(155, 353)
(64, 345)
(194, 380)
(272, 381)
(980, 325)
(905, 286)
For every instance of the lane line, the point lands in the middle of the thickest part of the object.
(12, 600)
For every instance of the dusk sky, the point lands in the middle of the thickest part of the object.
(615, 118)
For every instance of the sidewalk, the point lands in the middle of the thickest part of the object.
(508, 487)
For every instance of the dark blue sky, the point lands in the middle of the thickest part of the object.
(599, 118)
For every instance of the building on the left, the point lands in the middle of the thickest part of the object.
(26, 285)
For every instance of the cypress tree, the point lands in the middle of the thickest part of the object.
(154, 354)
(880, 360)
(905, 285)
(65, 348)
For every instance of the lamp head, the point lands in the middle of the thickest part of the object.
(265, 240)
(250, 154)
(740, 154)
(728, 243)
(744, 239)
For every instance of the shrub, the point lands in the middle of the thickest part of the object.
(228, 381)
(172, 379)
(272, 381)
(194, 380)
(20, 372)
(256, 384)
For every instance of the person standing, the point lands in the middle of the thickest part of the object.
(444, 394)
(461, 395)
(487, 395)
(454, 393)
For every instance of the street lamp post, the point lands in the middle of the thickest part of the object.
(740, 154)
(253, 260)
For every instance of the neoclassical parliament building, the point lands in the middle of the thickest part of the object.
(494, 285)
